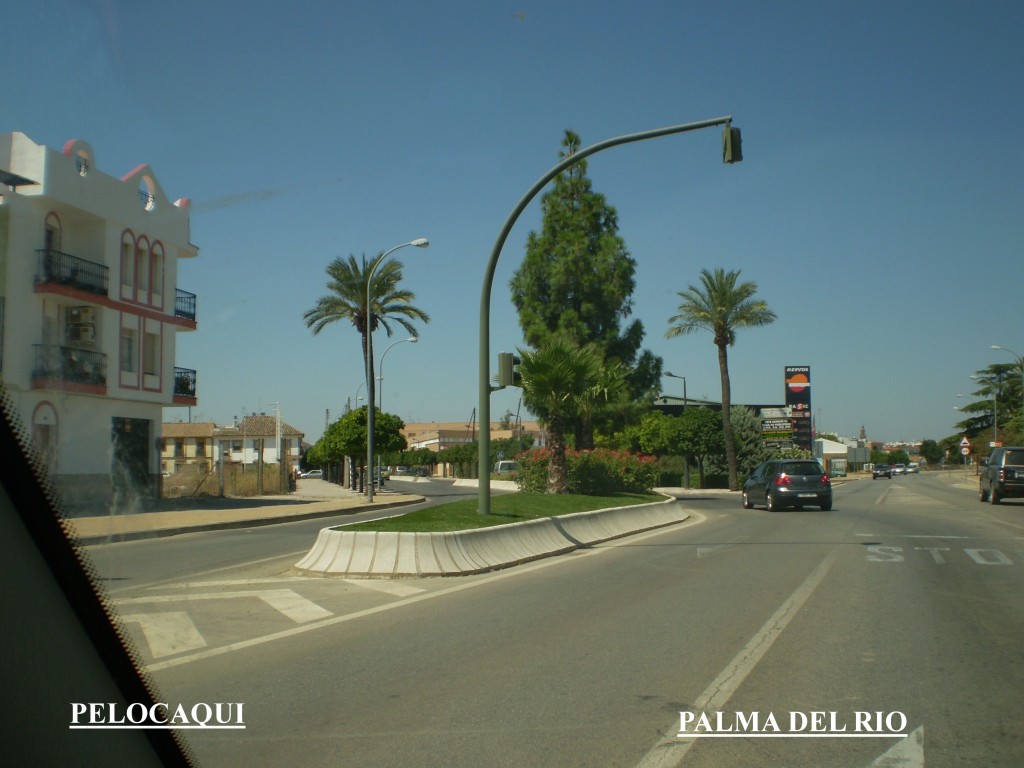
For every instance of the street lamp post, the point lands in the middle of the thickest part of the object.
(380, 390)
(686, 462)
(420, 242)
(730, 154)
(1020, 362)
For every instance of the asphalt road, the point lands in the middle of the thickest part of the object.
(905, 600)
(256, 551)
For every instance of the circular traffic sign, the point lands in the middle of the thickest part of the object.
(966, 451)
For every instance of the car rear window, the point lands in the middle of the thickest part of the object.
(1015, 457)
(802, 468)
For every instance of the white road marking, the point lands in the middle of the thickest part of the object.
(385, 586)
(908, 753)
(294, 606)
(334, 620)
(167, 633)
(377, 585)
(671, 750)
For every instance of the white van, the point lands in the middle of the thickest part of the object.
(505, 468)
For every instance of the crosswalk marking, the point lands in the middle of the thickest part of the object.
(285, 601)
(167, 633)
(387, 587)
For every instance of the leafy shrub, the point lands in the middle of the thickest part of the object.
(600, 472)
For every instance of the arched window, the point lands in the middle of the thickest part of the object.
(127, 266)
(157, 274)
(142, 265)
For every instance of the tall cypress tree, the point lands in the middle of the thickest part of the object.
(577, 279)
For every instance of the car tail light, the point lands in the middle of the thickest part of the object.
(824, 480)
(783, 479)
(1002, 475)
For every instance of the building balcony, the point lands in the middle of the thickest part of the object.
(184, 386)
(57, 268)
(185, 305)
(58, 367)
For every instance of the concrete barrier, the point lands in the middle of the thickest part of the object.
(384, 554)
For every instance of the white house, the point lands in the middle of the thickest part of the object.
(251, 441)
(90, 312)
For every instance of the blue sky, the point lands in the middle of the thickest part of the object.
(878, 207)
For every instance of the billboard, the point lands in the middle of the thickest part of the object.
(798, 400)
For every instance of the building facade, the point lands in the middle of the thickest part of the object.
(90, 313)
(253, 440)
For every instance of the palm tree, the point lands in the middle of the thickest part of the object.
(347, 301)
(722, 307)
(557, 379)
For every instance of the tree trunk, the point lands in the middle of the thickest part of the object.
(558, 473)
(730, 442)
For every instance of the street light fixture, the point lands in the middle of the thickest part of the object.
(380, 393)
(673, 376)
(730, 154)
(420, 242)
(686, 462)
(380, 369)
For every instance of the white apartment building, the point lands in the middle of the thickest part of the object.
(90, 312)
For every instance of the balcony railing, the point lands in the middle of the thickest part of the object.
(184, 382)
(65, 269)
(185, 305)
(77, 366)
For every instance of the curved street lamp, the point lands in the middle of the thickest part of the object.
(420, 242)
(730, 154)
(380, 370)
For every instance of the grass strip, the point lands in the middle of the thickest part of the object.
(510, 508)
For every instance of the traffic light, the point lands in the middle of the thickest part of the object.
(508, 370)
(732, 145)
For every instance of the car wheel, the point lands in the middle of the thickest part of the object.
(769, 502)
(826, 506)
(982, 496)
(993, 497)
(747, 503)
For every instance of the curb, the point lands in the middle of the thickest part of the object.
(392, 554)
(220, 525)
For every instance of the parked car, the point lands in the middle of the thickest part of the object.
(506, 468)
(788, 483)
(402, 471)
(899, 469)
(313, 474)
(913, 468)
(1002, 475)
(881, 470)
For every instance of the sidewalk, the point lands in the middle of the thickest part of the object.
(314, 498)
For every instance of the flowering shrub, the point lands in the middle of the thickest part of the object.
(600, 472)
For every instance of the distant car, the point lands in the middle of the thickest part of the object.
(313, 474)
(399, 471)
(505, 468)
(788, 483)
(913, 468)
(899, 469)
(1002, 475)
(881, 470)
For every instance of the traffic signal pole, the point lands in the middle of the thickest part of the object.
(730, 154)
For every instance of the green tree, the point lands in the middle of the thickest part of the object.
(346, 301)
(722, 306)
(931, 452)
(346, 437)
(577, 278)
(557, 377)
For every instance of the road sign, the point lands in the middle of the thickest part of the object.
(964, 442)
(966, 450)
